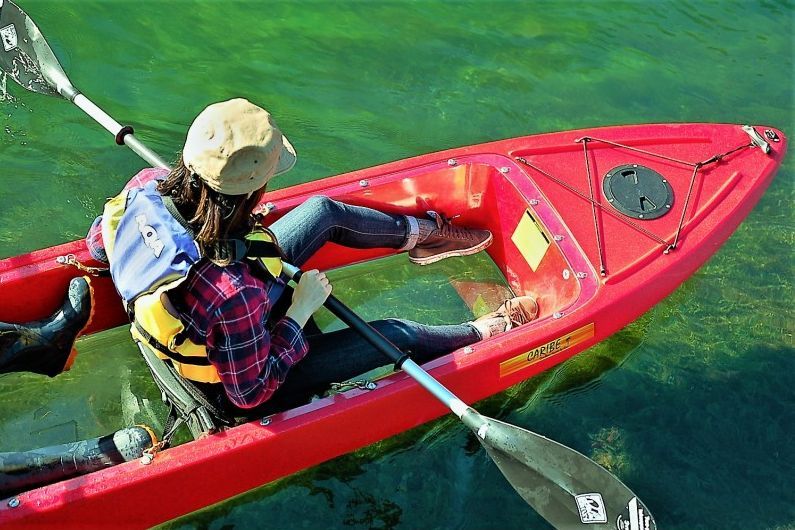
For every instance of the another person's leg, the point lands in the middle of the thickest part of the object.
(47, 346)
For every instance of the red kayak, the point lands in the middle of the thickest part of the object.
(598, 225)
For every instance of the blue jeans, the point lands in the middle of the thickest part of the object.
(342, 355)
(303, 230)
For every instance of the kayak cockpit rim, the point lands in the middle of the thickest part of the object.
(533, 248)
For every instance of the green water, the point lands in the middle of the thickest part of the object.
(693, 405)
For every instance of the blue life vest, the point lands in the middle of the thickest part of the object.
(151, 252)
(149, 246)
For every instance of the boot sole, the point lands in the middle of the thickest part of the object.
(453, 253)
(73, 354)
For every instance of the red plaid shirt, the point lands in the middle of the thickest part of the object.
(227, 310)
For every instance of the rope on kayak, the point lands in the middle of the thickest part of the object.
(697, 166)
(71, 260)
(362, 384)
(149, 455)
(669, 246)
(635, 149)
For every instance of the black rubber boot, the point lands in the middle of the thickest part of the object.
(47, 346)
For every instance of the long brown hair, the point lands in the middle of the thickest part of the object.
(213, 216)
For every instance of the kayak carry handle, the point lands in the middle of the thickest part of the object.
(757, 139)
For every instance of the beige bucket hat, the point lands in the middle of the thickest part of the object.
(236, 148)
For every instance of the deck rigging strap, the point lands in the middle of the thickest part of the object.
(696, 167)
(602, 270)
(669, 245)
(617, 215)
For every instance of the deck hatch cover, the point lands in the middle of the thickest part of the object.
(638, 192)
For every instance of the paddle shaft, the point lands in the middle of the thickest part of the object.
(124, 134)
(382, 344)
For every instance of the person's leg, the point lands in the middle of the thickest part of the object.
(302, 231)
(342, 355)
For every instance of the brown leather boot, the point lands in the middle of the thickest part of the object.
(510, 314)
(47, 346)
(446, 241)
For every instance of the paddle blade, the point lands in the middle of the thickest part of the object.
(565, 487)
(25, 56)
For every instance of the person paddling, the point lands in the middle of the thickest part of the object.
(179, 246)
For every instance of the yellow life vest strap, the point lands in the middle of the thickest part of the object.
(156, 325)
(161, 348)
(189, 367)
(263, 247)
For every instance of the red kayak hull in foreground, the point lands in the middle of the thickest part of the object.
(553, 233)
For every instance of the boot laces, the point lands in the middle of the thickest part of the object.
(515, 313)
(517, 316)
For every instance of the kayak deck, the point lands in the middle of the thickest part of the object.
(554, 229)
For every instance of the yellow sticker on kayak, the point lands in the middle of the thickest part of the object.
(531, 240)
(543, 351)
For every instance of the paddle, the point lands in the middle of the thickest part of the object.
(568, 489)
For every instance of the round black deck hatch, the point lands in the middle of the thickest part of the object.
(638, 191)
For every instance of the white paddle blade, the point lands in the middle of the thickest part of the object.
(565, 487)
(26, 57)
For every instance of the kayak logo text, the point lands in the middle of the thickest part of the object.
(9, 36)
(549, 348)
(150, 235)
